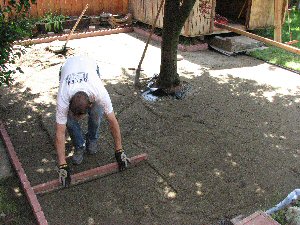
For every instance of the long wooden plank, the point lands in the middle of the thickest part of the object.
(86, 175)
(259, 38)
(277, 21)
(31, 196)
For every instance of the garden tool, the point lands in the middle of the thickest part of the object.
(138, 70)
(64, 48)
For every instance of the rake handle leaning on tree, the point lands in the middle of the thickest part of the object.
(138, 70)
(73, 29)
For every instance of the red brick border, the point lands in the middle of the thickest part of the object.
(54, 184)
(75, 36)
(31, 196)
(258, 218)
(86, 175)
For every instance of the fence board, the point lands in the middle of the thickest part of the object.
(51, 5)
(66, 10)
(83, 4)
(118, 5)
(93, 7)
(71, 8)
(75, 7)
(106, 5)
(33, 10)
(113, 5)
(97, 7)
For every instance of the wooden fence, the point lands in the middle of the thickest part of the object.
(75, 7)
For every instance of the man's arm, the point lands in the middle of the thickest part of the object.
(115, 130)
(64, 173)
(120, 155)
(60, 140)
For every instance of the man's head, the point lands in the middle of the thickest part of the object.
(79, 104)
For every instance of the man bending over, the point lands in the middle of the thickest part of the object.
(81, 92)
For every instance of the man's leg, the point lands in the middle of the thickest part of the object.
(94, 121)
(75, 133)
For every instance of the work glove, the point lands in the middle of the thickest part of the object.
(64, 174)
(122, 159)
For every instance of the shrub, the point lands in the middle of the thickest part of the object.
(13, 26)
(53, 22)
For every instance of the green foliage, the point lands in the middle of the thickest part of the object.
(53, 22)
(280, 217)
(277, 55)
(13, 26)
(291, 26)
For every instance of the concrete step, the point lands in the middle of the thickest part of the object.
(234, 44)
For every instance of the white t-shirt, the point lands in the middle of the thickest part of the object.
(79, 73)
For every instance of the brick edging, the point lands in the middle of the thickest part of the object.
(76, 178)
(31, 196)
(75, 36)
(255, 215)
(87, 175)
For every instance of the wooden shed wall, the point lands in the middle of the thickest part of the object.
(262, 13)
(75, 7)
(197, 24)
(146, 11)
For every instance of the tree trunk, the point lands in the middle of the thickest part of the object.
(175, 15)
(170, 38)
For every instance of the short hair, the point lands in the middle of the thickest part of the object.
(79, 103)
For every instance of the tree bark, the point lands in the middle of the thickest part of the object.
(175, 15)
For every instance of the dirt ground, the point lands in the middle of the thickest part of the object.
(230, 147)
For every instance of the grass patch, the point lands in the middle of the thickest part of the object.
(280, 215)
(280, 56)
(14, 207)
